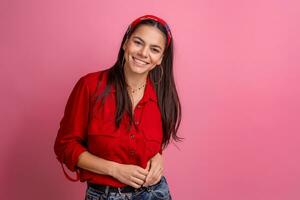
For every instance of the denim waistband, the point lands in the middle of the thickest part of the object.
(159, 190)
(106, 188)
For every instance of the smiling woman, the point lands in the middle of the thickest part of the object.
(144, 50)
(117, 121)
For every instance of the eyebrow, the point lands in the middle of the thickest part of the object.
(154, 45)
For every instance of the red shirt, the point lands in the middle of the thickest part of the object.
(89, 126)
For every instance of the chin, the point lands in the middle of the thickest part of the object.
(138, 69)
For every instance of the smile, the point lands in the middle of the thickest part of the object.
(140, 62)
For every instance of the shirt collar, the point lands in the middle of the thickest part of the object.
(149, 93)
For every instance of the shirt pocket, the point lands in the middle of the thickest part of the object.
(103, 138)
(153, 140)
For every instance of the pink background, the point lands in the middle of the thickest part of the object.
(237, 71)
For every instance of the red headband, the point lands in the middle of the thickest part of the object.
(152, 17)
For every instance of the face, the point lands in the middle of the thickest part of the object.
(144, 49)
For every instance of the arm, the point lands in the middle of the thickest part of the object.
(129, 174)
(71, 136)
(70, 147)
(97, 165)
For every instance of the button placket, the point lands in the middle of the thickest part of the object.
(132, 143)
(132, 152)
(132, 136)
(137, 114)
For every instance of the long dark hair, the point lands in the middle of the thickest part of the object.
(164, 85)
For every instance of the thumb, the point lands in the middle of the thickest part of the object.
(148, 165)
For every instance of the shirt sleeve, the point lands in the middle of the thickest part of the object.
(71, 136)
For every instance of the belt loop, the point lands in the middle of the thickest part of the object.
(106, 190)
(119, 190)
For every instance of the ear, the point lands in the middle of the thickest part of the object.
(125, 44)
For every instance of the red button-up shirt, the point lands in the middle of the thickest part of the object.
(89, 126)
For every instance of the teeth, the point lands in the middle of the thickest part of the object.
(139, 61)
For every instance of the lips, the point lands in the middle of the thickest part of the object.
(139, 61)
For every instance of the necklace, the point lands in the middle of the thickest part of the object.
(133, 97)
(133, 90)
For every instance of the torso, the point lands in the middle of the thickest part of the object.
(136, 97)
(127, 145)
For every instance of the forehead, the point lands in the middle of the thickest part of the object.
(150, 34)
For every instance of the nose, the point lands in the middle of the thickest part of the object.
(144, 52)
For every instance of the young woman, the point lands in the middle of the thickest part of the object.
(117, 121)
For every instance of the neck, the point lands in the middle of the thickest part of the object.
(135, 80)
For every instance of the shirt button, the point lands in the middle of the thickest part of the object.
(136, 122)
(132, 152)
(131, 136)
(138, 106)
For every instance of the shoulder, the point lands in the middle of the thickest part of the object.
(91, 79)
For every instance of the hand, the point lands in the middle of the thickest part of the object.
(130, 174)
(155, 165)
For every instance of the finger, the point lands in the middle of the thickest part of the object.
(142, 171)
(153, 170)
(133, 184)
(158, 172)
(153, 177)
(157, 180)
(140, 176)
(148, 165)
(137, 181)
(148, 178)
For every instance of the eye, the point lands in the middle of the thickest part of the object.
(155, 50)
(137, 42)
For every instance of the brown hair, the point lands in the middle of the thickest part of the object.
(164, 84)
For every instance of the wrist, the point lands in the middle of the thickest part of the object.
(113, 168)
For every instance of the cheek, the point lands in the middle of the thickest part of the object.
(128, 52)
(132, 47)
(156, 59)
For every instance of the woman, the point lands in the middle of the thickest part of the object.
(117, 121)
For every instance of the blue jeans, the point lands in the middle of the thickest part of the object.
(159, 191)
